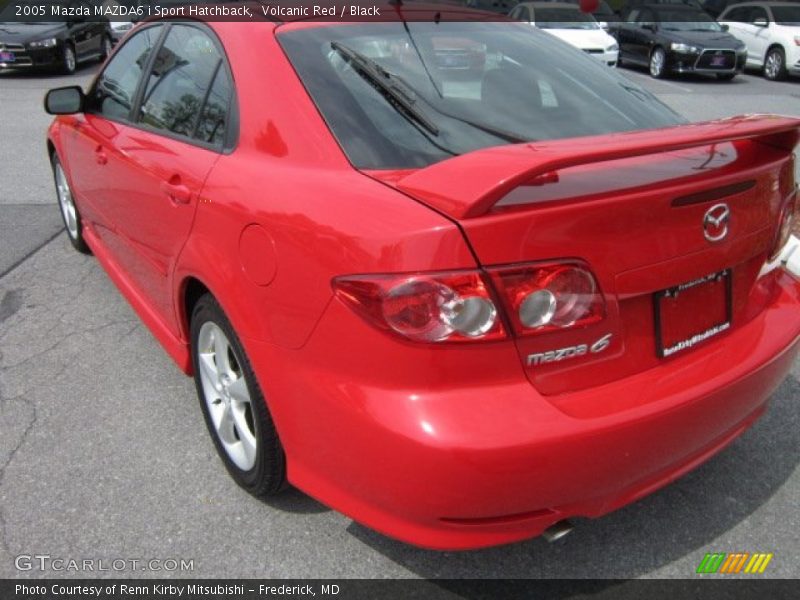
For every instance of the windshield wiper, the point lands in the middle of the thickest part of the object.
(386, 84)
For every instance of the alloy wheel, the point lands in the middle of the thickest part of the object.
(227, 396)
(66, 202)
(69, 59)
(657, 62)
(773, 65)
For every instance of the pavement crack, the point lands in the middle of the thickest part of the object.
(39, 353)
(11, 455)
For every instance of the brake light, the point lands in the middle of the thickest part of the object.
(429, 307)
(787, 220)
(459, 306)
(549, 297)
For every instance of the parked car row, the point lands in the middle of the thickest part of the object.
(679, 36)
(53, 45)
(63, 45)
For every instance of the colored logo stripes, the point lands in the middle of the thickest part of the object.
(736, 562)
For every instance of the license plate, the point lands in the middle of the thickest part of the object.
(7, 57)
(718, 61)
(691, 313)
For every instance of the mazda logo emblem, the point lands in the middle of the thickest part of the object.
(716, 221)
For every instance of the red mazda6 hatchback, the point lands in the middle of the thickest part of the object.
(449, 276)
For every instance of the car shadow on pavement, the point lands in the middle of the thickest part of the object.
(292, 500)
(638, 539)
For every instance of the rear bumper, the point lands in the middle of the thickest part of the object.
(387, 434)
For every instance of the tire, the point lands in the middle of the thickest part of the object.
(775, 64)
(69, 210)
(233, 405)
(69, 61)
(106, 46)
(658, 63)
(726, 76)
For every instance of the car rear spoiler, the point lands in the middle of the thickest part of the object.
(470, 185)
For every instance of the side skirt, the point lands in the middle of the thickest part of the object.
(175, 347)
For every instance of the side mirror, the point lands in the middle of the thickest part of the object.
(725, 27)
(603, 25)
(64, 101)
(760, 22)
(649, 27)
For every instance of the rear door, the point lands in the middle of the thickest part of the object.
(157, 164)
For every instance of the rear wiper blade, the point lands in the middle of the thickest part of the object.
(386, 83)
(503, 134)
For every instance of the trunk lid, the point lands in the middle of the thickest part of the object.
(635, 207)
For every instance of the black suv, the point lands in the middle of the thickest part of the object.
(53, 45)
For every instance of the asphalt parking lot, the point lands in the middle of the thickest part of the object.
(104, 453)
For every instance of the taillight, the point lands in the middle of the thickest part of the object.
(549, 296)
(429, 307)
(458, 306)
(787, 220)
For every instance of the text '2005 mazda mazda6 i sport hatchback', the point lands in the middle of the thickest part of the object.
(448, 275)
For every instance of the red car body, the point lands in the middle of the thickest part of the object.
(453, 445)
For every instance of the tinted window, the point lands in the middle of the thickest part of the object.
(113, 93)
(787, 15)
(563, 18)
(179, 81)
(739, 15)
(464, 86)
(758, 13)
(686, 20)
(212, 125)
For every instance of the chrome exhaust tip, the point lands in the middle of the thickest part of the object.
(557, 531)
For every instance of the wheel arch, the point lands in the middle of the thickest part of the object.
(191, 290)
(772, 46)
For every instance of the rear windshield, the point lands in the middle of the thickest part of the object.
(408, 95)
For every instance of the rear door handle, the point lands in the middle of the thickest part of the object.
(176, 191)
(100, 155)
